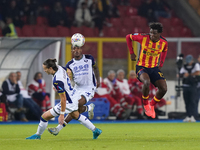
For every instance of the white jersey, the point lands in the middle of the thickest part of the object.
(62, 84)
(124, 87)
(109, 84)
(82, 71)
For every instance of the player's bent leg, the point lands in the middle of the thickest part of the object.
(42, 125)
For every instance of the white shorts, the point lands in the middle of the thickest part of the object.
(70, 107)
(87, 93)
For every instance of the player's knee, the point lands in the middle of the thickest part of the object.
(146, 83)
(163, 89)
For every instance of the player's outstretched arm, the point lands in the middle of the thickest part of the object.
(130, 47)
(63, 106)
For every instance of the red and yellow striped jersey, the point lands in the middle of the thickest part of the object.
(150, 51)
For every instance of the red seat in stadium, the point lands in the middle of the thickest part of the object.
(74, 30)
(173, 32)
(116, 22)
(176, 22)
(135, 3)
(165, 22)
(39, 31)
(140, 22)
(137, 30)
(27, 31)
(19, 31)
(122, 10)
(124, 31)
(185, 32)
(52, 32)
(128, 22)
(88, 32)
(41, 21)
(111, 32)
(131, 11)
(63, 31)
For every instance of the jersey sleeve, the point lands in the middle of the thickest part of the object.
(136, 37)
(59, 86)
(92, 58)
(67, 65)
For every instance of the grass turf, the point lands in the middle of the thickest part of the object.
(131, 136)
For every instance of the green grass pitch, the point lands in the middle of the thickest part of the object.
(122, 136)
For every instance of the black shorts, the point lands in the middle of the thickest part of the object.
(154, 73)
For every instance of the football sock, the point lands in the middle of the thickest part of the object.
(59, 127)
(145, 99)
(42, 126)
(154, 101)
(86, 122)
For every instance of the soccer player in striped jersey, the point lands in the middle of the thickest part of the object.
(68, 101)
(153, 47)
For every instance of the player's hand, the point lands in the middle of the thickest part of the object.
(159, 67)
(186, 74)
(133, 57)
(98, 84)
(61, 119)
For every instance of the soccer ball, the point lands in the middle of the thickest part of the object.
(77, 40)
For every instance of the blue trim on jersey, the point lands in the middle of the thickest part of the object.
(93, 78)
(69, 63)
(78, 117)
(64, 68)
(59, 85)
(90, 57)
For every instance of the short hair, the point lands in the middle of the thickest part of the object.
(156, 26)
(132, 71)
(36, 74)
(51, 63)
(120, 70)
(111, 72)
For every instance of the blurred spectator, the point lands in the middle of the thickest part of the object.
(11, 89)
(36, 89)
(113, 89)
(58, 16)
(29, 11)
(34, 109)
(88, 3)
(130, 99)
(9, 29)
(13, 11)
(161, 9)
(97, 17)
(190, 73)
(134, 84)
(146, 10)
(83, 16)
(115, 106)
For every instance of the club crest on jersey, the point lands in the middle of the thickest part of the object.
(158, 46)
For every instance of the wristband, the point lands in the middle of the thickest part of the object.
(62, 113)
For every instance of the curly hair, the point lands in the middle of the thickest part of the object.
(156, 26)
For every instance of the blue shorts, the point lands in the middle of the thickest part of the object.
(154, 73)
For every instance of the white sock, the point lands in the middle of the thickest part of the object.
(42, 126)
(86, 122)
(59, 127)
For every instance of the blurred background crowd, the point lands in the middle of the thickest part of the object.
(94, 18)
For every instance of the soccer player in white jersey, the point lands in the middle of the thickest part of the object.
(86, 77)
(68, 101)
